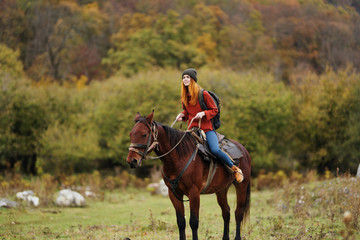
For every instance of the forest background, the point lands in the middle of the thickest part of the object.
(74, 73)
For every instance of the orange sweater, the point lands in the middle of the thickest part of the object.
(191, 110)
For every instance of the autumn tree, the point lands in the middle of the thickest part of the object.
(244, 45)
(166, 40)
(325, 111)
(310, 35)
(58, 43)
(13, 24)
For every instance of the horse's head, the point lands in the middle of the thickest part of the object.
(143, 138)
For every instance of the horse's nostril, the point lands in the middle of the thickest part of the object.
(134, 162)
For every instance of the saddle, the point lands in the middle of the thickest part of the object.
(224, 143)
(204, 151)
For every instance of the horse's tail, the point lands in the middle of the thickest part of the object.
(248, 190)
(247, 205)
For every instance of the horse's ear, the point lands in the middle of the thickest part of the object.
(149, 118)
(137, 117)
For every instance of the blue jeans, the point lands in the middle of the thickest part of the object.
(215, 149)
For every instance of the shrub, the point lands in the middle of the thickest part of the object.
(10, 66)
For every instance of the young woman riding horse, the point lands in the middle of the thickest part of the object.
(185, 172)
(192, 110)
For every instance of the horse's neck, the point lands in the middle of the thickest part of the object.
(171, 160)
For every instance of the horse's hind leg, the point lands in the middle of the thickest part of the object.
(243, 205)
(180, 214)
(225, 209)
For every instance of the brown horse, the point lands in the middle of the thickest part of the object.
(185, 173)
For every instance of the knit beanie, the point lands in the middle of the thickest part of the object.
(191, 72)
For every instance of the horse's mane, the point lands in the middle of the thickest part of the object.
(175, 136)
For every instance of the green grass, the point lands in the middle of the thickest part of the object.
(310, 211)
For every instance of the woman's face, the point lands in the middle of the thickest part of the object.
(186, 80)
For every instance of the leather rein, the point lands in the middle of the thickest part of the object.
(154, 132)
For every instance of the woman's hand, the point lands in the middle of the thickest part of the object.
(199, 115)
(179, 117)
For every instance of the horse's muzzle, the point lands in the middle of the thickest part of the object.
(133, 163)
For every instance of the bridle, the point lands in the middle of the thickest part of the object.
(153, 132)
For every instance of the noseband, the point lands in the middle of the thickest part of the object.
(153, 132)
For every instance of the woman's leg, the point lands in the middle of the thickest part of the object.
(215, 149)
(213, 143)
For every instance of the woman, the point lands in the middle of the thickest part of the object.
(193, 112)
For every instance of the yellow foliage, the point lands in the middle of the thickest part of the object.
(4, 186)
(280, 178)
(327, 174)
(296, 177)
(25, 184)
(129, 24)
(207, 45)
(72, 5)
(92, 7)
(47, 178)
(96, 179)
(264, 180)
(81, 82)
(94, 18)
(45, 80)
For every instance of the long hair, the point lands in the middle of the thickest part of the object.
(193, 89)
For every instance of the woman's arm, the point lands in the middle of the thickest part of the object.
(184, 115)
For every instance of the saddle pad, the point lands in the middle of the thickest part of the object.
(219, 136)
(226, 145)
(229, 147)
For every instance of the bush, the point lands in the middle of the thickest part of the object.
(10, 67)
(311, 124)
(325, 109)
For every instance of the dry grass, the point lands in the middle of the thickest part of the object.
(304, 209)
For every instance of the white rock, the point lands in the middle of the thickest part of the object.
(152, 188)
(69, 198)
(62, 200)
(33, 200)
(162, 189)
(158, 188)
(23, 195)
(358, 172)
(29, 197)
(89, 194)
(7, 203)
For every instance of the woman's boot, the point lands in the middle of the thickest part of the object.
(239, 176)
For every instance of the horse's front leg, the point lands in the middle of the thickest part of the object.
(194, 198)
(180, 214)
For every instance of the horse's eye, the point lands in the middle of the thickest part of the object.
(144, 135)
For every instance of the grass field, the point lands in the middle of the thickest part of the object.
(296, 211)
